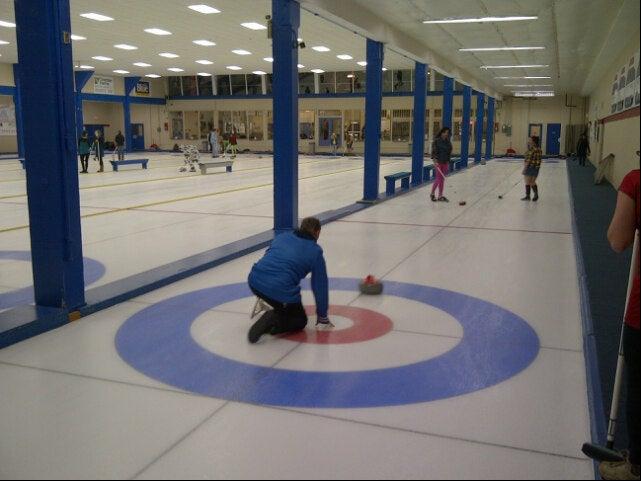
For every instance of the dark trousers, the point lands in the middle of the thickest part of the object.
(582, 159)
(288, 317)
(84, 161)
(631, 350)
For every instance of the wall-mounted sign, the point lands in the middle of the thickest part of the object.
(143, 88)
(7, 120)
(103, 85)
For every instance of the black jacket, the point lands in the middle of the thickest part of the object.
(120, 140)
(583, 147)
(442, 150)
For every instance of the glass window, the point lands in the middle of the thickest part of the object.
(327, 83)
(270, 125)
(222, 85)
(402, 80)
(427, 125)
(456, 135)
(239, 121)
(255, 122)
(306, 124)
(306, 83)
(354, 123)
(190, 86)
(254, 84)
(329, 113)
(386, 125)
(192, 126)
(238, 85)
(205, 87)
(344, 82)
(224, 123)
(268, 80)
(176, 118)
(206, 124)
(458, 113)
(175, 89)
(388, 81)
(438, 113)
(437, 127)
(359, 81)
(401, 125)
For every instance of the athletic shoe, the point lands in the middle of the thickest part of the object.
(535, 198)
(619, 470)
(324, 323)
(443, 199)
(259, 306)
(262, 326)
(527, 197)
(433, 197)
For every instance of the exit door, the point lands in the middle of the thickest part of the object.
(138, 135)
(553, 139)
(327, 127)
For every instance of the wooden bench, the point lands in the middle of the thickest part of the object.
(428, 172)
(390, 182)
(116, 163)
(215, 163)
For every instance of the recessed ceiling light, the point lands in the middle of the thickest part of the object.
(97, 17)
(204, 62)
(124, 72)
(78, 37)
(206, 9)
(498, 49)
(205, 43)
(124, 46)
(168, 55)
(362, 63)
(300, 65)
(6, 24)
(317, 70)
(234, 67)
(268, 59)
(102, 59)
(152, 75)
(157, 31)
(320, 48)
(259, 72)
(344, 57)
(204, 74)
(534, 94)
(384, 69)
(299, 39)
(522, 78)
(487, 67)
(86, 67)
(175, 69)
(528, 86)
(142, 64)
(482, 20)
(3, 42)
(351, 75)
(241, 52)
(254, 26)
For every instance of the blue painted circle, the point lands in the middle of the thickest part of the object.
(496, 345)
(93, 269)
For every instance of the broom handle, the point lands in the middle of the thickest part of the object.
(614, 410)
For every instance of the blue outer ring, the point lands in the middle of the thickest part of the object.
(93, 269)
(497, 345)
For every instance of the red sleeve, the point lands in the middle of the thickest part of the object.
(630, 187)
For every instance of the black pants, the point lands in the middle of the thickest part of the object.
(631, 350)
(84, 161)
(288, 317)
(582, 159)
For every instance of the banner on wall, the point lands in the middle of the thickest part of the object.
(637, 80)
(7, 120)
(143, 88)
(625, 88)
(103, 85)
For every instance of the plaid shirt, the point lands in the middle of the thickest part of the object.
(533, 157)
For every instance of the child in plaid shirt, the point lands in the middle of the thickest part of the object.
(532, 166)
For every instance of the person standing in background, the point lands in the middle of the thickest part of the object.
(120, 145)
(214, 141)
(99, 149)
(334, 143)
(233, 143)
(84, 148)
(533, 158)
(583, 149)
(442, 155)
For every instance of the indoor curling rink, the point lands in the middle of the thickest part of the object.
(470, 365)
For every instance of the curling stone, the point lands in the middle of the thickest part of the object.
(462, 203)
(371, 286)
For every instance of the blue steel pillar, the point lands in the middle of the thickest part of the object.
(373, 107)
(465, 127)
(130, 83)
(17, 103)
(478, 127)
(81, 78)
(489, 140)
(46, 85)
(286, 21)
(418, 128)
(448, 101)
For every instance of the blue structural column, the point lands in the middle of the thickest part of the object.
(465, 126)
(286, 21)
(81, 78)
(478, 127)
(47, 88)
(418, 127)
(489, 140)
(130, 83)
(17, 103)
(448, 101)
(373, 107)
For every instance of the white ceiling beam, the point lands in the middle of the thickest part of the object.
(368, 24)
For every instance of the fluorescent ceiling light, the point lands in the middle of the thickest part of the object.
(2, 42)
(299, 39)
(241, 52)
(204, 74)
(157, 31)
(498, 49)
(259, 72)
(97, 17)
(487, 67)
(268, 59)
(206, 9)
(254, 26)
(3, 23)
(351, 75)
(102, 59)
(142, 64)
(528, 86)
(204, 62)
(168, 55)
(124, 46)
(481, 20)
(124, 72)
(534, 94)
(205, 43)
(317, 70)
(344, 56)
(234, 67)
(362, 63)
(384, 69)
(320, 48)
(175, 69)
(78, 37)
(86, 67)
(522, 78)
(300, 65)
(152, 75)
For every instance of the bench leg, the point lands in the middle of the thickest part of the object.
(115, 168)
(228, 168)
(405, 183)
(144, 165)
(390, 187)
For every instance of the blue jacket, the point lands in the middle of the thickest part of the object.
(289, 259)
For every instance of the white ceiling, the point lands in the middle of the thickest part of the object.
(573, 32)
